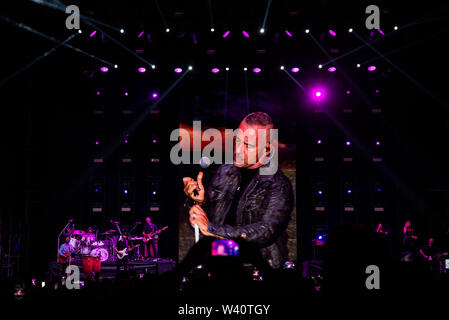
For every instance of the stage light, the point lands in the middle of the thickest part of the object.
(377, 143)
(226, 34)
(348, 143)
(154, 140)
(288, 33)
(307, 31)
(154, 192)
(126, 141)
(97, 143)
(153, 66)
(381, 32)
(320, 66)
(104, 69)
(379, 189)
(320, 237)
(140, 34)
(349, 191)
(141, 69)
(126, 93)
(320, 192)
(377, 91)
(332, 69)
(215, 70)
(167, 30)
(178, 70)
(125, 191)
(295, 69)
(348, 92)
(212, 29)
(227, 68)
(155, 95)
(122, 31)
(98, 93)
(115, 66)
(332, 33)
(358, 65)
(245, 69)
(262, 30)
(93, 33)
(319, 141)
(282, 67)
(79, 31)
(96, 190)
(257, 70)
(371, 68)
(190, 68)
(350, 30)
(318, 94)
(396, 28)
(245, 34)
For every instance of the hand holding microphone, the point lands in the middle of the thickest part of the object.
(194, 189)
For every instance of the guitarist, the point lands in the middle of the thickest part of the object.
(122, 243)
(150, 242)
(64, 257)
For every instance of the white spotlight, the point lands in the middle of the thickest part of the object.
(79, 31)
(212, 29)
(282, 67)
(167, 30)
(358, 65)
(153, 66)
(262, 30)
(245, 69)
(115, 66)
(307, 30)
(190, 67)
(320, 66)
(227, 68)
(396, 28)
(122, 31)
(350, 30)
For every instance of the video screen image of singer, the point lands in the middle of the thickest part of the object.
(223, 159)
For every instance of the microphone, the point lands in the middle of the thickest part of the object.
(205, 162)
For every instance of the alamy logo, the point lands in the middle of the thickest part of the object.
(73, 20)
(73, 277)
(373, 20)
(373, 280)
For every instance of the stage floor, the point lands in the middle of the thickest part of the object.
(109, 268)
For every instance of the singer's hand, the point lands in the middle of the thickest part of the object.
(197, 216)
(190, 185)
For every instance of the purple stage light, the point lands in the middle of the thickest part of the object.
(332, 69)
(295, 69)
(348, 92)
(256, 70)
(126, 93)
(245, 34)
(154, 140)
(98, 93)
(348, 143)
(226, 34)
(104, 69)
(97, 143)
(318, 94)
(332, 33)
(377, 143)
(141, 69)
(155, 95)
(377, 91)
(178, 70)
(371, 68)
(140, 34)
(215, 70)
(126, 141)
(319, 141)
(381, 32)
(93, 33)
(288, 33)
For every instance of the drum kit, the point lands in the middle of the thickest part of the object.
(87, 245)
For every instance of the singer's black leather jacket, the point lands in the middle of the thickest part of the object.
(263, 211)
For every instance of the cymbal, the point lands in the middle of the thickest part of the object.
(78, 232)
(109, 232)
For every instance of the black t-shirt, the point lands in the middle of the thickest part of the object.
(247, 175)
(149, 228)
(122, 244)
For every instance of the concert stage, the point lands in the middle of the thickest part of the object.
(108, 268)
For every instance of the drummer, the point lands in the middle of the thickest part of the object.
(89, 237)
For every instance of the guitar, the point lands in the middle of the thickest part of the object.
(148, 236)
(123, 253)
(63, 258)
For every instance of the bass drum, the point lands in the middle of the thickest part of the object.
(102, 253)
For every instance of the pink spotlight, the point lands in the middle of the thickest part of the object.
(332, 33)
(154, 140)
(295, 69)
(215, 70)
(256, 70)
(381, 32)
(319, 141)
(377, 143)
(126, 93)
(332, 69)
(140, 34)
(348, 143)
(288, 33)
(318, 94)
(155, 95)
(371, 68)
(226, 34)
(93, 33)
(178, 70)
(97, 143)
(126, 141)
(348, 92)
(141, 69)
(98, 93)
(245, 34)
(104, 69)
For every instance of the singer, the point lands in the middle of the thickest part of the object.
(242, 203)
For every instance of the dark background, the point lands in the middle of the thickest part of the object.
(49, 117)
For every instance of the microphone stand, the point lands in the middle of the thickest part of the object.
(59, 236)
